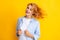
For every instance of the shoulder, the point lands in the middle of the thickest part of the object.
(20, 18)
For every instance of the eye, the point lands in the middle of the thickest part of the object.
(27, 7)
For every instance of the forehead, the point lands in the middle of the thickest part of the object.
(30, 7)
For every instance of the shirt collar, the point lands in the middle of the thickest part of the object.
(31, 19)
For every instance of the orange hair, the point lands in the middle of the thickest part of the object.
(36, 11)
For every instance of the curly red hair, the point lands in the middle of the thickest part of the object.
(37, 12)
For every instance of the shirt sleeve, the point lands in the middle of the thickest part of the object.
(17, 27)
(37, 32)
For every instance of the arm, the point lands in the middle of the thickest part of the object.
(27, 33)
(37, 32)
(18, 31)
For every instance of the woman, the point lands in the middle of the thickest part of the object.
(28, 28)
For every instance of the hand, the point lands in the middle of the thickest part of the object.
(19, 32)
(27, 33)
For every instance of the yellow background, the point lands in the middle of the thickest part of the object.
(11, 10)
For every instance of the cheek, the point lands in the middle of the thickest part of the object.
(31, 12)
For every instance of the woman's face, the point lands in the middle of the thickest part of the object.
(29, 10)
